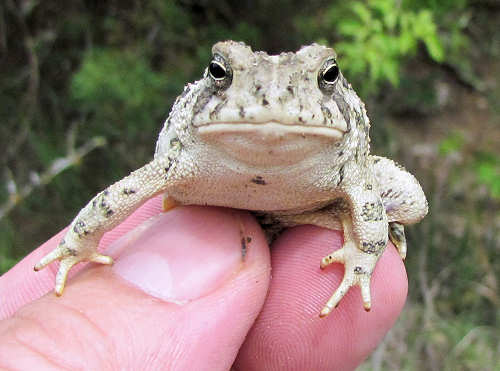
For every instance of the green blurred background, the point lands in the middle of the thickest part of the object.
(86, 85)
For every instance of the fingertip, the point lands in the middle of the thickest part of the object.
(348, 333)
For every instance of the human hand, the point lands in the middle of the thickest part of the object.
(180, 297)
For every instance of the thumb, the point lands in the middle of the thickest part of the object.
(179, 296)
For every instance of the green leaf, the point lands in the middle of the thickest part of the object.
(362, 11)
(434, 47)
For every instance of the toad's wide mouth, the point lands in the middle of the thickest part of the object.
(268, 143)
(269, 130)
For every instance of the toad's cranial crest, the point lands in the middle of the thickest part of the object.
(284, 136)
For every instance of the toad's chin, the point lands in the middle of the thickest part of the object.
(268, 143)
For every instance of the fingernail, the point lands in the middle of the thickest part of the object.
(180, 255)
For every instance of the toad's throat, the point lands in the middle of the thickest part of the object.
(268, 143)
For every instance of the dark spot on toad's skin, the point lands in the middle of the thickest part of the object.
(202, 100)
(79, 228)
(386, 193)
(327, 114)
(342, 105)
(372, 211)
(168, 165)
(369, 187)
(301, 119)
(258, 180)
(289, 88)
(103, 205)
(249, 239)
(345, 84)
(341, 175)
(71, 251)
(399, 166)
(358, 270)
(373, 247)
(377, 160)
(340, 153)
(217, 109)
(128, 191)
(241, 111)
(359, 120)
(258, 87)
(265, 102)
(185, 92)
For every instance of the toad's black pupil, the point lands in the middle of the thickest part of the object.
(331, 74)
(216, 70)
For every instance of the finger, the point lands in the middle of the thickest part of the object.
(21, 284)
(289, 334)
(179, 296)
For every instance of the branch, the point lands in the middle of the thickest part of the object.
(73, 157)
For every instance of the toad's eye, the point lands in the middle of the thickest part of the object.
(217, 70)
(328, 75)
(331, 74)
(220, 72)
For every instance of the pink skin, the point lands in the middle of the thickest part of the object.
(105, 320)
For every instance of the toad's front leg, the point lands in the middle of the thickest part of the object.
(105, 211)
(364, 222)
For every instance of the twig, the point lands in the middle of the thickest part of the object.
(73, 157)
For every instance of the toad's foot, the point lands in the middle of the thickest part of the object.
(359, 266)
(359, 259)
(397, 236)
(68, 257)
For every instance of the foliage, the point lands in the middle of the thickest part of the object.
(377, 37)
(111, 81)
(484, 164)
(379, 34)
